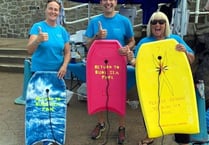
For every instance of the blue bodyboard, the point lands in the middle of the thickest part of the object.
(45, 109)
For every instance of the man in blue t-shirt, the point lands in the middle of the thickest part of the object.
(110, 26)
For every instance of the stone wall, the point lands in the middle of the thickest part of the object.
(17, 16)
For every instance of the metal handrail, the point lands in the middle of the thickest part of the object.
(197, 12)
(89, 17)
(75, 7)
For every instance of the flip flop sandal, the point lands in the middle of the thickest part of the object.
(146, 142)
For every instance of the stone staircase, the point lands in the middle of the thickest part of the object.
(12, 59)
(12, 54)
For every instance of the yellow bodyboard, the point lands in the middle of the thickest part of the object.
(166, 89)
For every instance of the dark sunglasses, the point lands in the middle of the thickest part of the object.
(161, 22)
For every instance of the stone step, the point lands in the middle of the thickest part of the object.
(12, 59)
(13, 43)
(17, 68)
(13, 51)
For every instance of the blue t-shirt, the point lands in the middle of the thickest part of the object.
(172, 36)
(49, 55)
(118, 28)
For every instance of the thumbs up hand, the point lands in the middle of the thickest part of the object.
(102, 33)
(42, 36)
(100, 25)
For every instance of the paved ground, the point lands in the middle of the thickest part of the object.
(79, 123)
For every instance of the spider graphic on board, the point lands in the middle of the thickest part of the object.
(161, 67)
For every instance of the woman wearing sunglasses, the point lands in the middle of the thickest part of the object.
(158, 29)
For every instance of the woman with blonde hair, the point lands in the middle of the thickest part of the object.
(158, 28)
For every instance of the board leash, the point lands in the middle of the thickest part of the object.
(160, 70)
(159, 101)
(106, 105)
(50, 118)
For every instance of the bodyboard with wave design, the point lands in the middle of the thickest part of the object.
(45, 110)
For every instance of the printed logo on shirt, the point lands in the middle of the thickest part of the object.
(59, 35)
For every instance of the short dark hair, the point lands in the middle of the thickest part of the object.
(48, 1)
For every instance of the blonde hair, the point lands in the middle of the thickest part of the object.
(158, 15)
